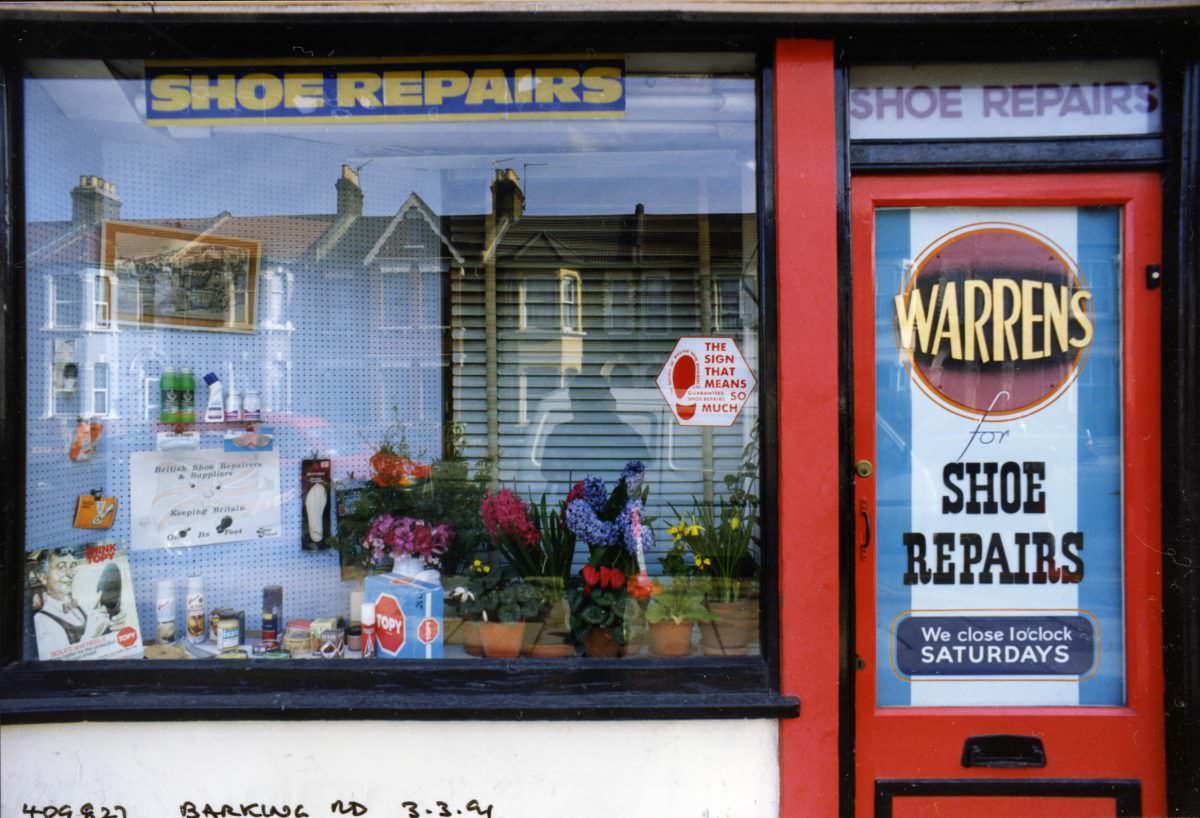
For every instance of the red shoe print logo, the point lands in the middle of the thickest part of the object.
(683, 378)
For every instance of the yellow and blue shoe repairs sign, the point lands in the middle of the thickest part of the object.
(298, 91)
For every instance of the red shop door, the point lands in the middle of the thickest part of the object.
(1006, 392)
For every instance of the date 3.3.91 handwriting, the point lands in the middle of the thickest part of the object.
(191, 809)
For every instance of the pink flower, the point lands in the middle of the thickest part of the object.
(506, 516)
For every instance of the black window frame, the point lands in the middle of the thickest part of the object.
(33, 691)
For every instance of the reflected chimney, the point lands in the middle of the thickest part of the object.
(349, 194)
(508, 200)
(93, 200)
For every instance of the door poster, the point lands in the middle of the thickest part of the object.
(998, 447)
(203, 496)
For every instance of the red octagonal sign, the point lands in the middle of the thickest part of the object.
(389, 624)
(706, 381)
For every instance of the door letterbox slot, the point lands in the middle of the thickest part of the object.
(1003, 751)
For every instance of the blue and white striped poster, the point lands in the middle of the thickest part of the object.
(998, 446)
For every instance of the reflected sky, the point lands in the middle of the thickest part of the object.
(686, 144)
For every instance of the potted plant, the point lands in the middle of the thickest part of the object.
(722, 542)
(597, 606)
(673, 613)
(500, 602)
(603, 598)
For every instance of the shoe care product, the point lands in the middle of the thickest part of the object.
(164, 610)
(251, 407)
(233, 407)
(227, 634)
(187, 396)
(196, 630)
(86, 439)
(368, 630)
(315, 484)
(272, 608)
(214, 408)
(94, 511)
(297, 639)
(168, 402)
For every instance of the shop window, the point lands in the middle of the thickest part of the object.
(102, 302)
(100, 389)
(488, 387)
(570, 301)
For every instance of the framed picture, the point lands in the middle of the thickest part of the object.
(178, 278)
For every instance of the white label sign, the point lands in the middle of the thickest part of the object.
(991, 101)
(203, 496)
(706, 381)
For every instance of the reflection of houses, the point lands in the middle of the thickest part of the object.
(541, 335)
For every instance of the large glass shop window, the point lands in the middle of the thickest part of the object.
(403, 358)
(998, 579)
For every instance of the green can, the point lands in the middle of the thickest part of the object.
(187, 396)
(168, 407)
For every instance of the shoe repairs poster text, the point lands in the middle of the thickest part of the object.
(998, 442)
(200, 496)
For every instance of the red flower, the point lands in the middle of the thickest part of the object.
(642, 587)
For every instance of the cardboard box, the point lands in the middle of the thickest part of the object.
(408, 616)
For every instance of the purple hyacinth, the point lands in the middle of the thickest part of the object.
(629, 536)
(584, 524)
(595, 493)
(632, 474)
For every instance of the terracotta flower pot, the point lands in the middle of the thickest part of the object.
(735, 627)
(501, 640)
(532, 631)
(453, 630)
(669, 638)
(601, 643)
(471, 643)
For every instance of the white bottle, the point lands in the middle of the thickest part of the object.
(164, 611)
(197, 627)
(214, 409)
(233, 407)
(251, 407)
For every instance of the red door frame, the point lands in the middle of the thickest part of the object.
(1093, 742)
(806, 196)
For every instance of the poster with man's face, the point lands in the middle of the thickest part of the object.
(81, 603)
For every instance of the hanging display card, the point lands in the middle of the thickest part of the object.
(81, 603)
(998, 577)
(203, 496)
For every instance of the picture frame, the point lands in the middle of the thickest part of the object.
(180, 278)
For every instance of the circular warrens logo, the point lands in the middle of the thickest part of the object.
(995, 320)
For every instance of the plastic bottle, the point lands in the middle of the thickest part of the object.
(168, 405)
(251, 407)
(233, 407)
(187, 396)
(368, 630)
(214, 411)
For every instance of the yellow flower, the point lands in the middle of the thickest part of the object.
(698, 560)
(487, 569)
(477, 562)
(735, 523)
(707, 561)
(694, 531)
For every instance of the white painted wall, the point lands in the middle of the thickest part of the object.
(672, 769)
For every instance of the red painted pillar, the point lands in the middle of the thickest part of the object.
(806, 200)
